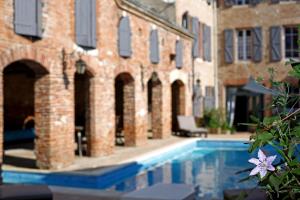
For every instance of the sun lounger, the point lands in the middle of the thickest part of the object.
(188, 126)
(25, 192)
(162, 191)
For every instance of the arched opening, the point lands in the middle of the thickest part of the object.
(125, 110)
(82, 96)
(154, 107)
(23, 87)
(178, 102)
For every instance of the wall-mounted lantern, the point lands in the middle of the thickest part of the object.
(80, 66)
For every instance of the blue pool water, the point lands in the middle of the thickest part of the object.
(210, 166)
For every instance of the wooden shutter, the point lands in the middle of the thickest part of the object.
(257, 44)
(209, 43)
(275, 43)
(179, 56)
(204, 39)
(154, 47)
(28, 17)
(85, 25)
(190, 23)
(228, 52)
(200, 40)
(195, 30)
(125, 37)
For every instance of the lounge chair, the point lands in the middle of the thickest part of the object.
(25, 192)
(163, 191)
(187, 125)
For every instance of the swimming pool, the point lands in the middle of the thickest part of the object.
(210, 166)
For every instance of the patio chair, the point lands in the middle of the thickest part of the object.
(188, 126)
(25, 192)
(163, 191)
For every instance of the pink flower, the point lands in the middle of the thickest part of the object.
(263, 164)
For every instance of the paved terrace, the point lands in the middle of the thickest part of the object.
(121, 155)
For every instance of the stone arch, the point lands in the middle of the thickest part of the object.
(177, 102)
(25, 105)
(154, 102)
(125, 109)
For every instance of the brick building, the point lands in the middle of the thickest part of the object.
(137, 65)
(254, 36)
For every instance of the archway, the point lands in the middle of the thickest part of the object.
(178, 102)
(125, 110)
(23, 87)
(154, 107)
(82, 96)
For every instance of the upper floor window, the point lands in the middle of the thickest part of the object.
(291, 42)
(185, 20)
(244, 44)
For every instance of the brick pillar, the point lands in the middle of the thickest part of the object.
(156, 117)
(102, 136)
(129, 113)
(54, 122)
(166, 110)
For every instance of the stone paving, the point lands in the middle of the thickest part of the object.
(121, 155)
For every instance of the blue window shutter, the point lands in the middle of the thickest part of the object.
(124, 37)
(206, 43)
(154, 47)
(275, 42)
(179, 56)
(257, 44)
(85, 26)
(93, 35)
(209, 43)
(28, 17)
(195, 31)
(228, 43)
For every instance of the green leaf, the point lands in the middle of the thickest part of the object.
(265, 136)
(296, 171)
(293, 162)
(291, 150)
(275, 182)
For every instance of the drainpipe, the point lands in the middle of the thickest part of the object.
(216, 55)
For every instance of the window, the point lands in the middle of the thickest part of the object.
(244, 44)
(241, 2)
(185, 20)
(291, 42)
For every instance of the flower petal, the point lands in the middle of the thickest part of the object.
(261, 155)
(254, 161)
(254, 171)
(262, 172)
(270, 159)
(270, 168)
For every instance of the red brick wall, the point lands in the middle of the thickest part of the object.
(54, 100)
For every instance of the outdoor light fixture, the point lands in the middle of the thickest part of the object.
(80, 66)
(154, 76)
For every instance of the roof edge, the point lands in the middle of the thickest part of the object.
(130, 7)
